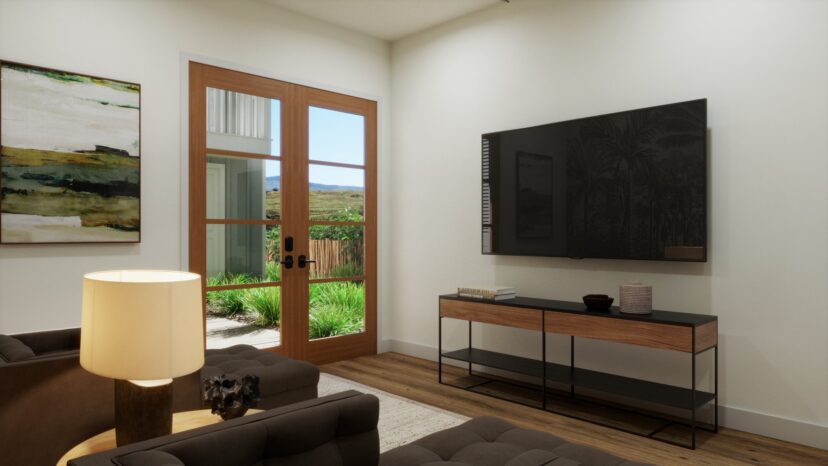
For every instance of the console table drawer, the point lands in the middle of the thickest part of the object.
(491, 314)
(654, 335)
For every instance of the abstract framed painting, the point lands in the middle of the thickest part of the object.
(70, 157)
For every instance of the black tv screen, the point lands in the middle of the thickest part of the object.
(627, 185)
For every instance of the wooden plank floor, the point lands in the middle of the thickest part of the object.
(416, 379)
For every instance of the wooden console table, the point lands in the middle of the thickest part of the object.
(692, 334)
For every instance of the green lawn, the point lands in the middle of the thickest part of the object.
(324, 205)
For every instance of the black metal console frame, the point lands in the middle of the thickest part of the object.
(693, 422)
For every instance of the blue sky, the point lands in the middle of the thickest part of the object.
(334, 137)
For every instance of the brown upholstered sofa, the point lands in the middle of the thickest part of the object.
(40, 374)
(341, 430)
(49, 403)
(490, 441)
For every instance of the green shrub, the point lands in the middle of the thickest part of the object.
(227, 302)
(340, 232)
(350, 269)
(265, 304)
(272, 242)
(348, 295)
(211, 295)
(336, 308)
(331, 321)
(225, 278)
(272, 271)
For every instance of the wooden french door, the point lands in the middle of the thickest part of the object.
(282, 210)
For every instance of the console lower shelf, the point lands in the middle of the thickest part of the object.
(652, 392)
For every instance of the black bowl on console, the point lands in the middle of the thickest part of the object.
(598, 302)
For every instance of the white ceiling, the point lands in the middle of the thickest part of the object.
(385, 19)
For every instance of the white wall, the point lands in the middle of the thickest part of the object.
(143, 42)
(763, 65)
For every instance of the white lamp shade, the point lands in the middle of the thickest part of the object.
(142, 324)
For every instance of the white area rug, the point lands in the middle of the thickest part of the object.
(400, 420)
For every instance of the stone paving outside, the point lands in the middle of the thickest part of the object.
(223, 333)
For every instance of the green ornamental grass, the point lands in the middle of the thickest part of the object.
(265, 304)
(336, 308)
(228, 303)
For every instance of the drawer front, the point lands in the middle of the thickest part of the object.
(491, 314)
(654, 335)
(707, 336)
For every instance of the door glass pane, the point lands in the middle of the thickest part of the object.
(336, 308)
(242, 188)
(336, 193)
(250, 316)
(243, 122)
(338, 251)
(242, 254)
(336, 136)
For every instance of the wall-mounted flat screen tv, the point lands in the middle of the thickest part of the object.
(627, 185)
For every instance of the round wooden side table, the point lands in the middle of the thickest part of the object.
(181, 422)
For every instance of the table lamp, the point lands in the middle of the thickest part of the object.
(142, 328)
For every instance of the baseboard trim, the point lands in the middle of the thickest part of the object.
(384, 346)
(790, 430)
(782, 428)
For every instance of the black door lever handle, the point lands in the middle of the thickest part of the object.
(304, 261)
(288, 262)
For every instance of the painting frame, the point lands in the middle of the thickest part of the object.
(131, 186)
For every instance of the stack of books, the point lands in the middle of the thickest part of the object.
(497, 293)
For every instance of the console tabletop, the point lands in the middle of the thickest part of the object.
(538, 304)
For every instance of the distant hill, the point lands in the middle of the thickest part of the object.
(272, 182)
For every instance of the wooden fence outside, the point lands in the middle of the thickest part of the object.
(336, 258)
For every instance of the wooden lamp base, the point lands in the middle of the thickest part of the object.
(142, 413)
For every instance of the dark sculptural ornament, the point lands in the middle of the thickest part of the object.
(230, 397)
